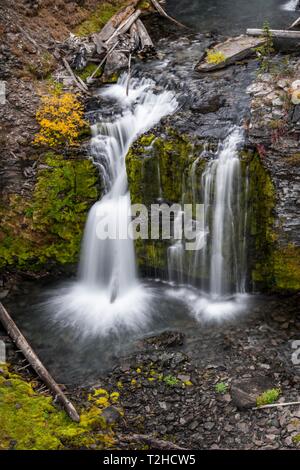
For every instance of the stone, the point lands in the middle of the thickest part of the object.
(209, 425)
(3, 294)
(111, 414)
(163, 405)
(245, 391)
(296, 114)
(184, 378)
(243, 427)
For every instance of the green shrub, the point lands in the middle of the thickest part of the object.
(268, 397)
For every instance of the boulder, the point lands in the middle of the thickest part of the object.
(244, 392)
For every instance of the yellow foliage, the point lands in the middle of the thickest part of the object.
(61, 120)
(215, 57)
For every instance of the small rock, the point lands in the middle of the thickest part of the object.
(194, 425)
(111, 414)
(245, 391)
(163, 405)
(209, 425)
(243, 427)
(184, 378)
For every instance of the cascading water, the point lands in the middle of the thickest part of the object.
(222, 188)
(108, 291)
(291, 5)
(220, 266)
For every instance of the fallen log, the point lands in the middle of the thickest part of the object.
(134, 37)
(162, 12)
(128, 75)
(276, 33)
(21, 342)
(125, 25)
(296, 23)
(232, 50)
(277, 405)
(82, 87)
(151, 441)
(110, 27)
(146, 41)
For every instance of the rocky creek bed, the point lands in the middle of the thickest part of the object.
(168, 386)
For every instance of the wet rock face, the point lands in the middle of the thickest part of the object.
(275, 127)
(274, 130)
(209, 103)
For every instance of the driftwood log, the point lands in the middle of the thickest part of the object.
(276, 33)
(110, 27)
(125, 25)
(82, 86)
(145, 39)
(295, 23)
(160, 10)
(22, 344)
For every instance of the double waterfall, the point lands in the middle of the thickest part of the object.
(108, 296)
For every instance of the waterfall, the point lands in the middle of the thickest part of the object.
(291, 5)
(109, 263)
(221, 263)
(222, 181)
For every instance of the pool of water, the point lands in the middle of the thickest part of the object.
(232, 16)
(77, 349)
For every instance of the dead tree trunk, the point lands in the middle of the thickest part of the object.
(110, 27)
(35, 362)
(276, 33)
(162, 12)
(146, 41)
(125, 26)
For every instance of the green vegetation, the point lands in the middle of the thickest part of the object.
(159, 167)
(268, 397)
(89, 70)
(49, 226)
(214, 57)
(30, 421)
(170, 380)
(99, 17)
(221, 387)
(266, 50)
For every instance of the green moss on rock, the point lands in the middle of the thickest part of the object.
(49, 225)
(158, 170)
(99, 17)
(275, 266)
(30, 421)
(286, 262)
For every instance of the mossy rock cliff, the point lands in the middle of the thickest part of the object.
(46, 227)
(159, 170)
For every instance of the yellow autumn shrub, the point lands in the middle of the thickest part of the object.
(61, 120)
